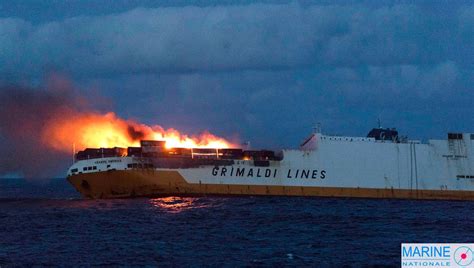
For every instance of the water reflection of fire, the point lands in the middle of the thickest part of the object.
(175, 204)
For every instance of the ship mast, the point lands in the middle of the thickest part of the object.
(317, 128)
(73, 152)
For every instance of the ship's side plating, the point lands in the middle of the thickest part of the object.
(324, 166)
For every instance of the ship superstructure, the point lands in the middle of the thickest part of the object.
(381, 165)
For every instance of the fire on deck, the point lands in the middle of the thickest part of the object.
(158, 149)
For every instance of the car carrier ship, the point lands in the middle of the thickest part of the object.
(381, 165)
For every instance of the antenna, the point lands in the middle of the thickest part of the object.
(317, 128)
(379, 122)
(247, 145)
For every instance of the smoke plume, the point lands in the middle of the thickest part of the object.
(41, 126)
(24, 112)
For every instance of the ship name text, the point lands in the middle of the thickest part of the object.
(268, 173)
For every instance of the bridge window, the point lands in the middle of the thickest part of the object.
(465, 176)
(455, 136)
(134, 165)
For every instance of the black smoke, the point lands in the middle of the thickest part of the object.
(134, 133)
(23, 114)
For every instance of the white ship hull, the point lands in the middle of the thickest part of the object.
(325, 166)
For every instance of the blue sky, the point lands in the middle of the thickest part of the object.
(265, 71)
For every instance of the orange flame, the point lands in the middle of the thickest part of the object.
(95, 130)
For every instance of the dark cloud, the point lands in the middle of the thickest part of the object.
(264, 71)
(278, 108)
(223, 38)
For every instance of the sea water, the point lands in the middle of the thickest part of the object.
(45, 222)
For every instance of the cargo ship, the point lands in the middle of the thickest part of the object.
(380, 165)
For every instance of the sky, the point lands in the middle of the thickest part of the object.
(262, 71)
